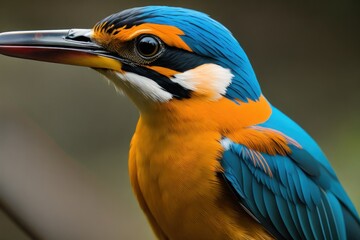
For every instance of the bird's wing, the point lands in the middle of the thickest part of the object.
(292, 194)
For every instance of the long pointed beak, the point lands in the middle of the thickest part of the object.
(72, 47)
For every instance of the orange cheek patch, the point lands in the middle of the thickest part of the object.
(169, 34)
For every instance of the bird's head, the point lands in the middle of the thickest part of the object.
(154, 54)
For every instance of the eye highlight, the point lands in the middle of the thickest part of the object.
(148, 46)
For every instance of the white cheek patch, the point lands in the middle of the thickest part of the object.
(146, 86)
(208, 79)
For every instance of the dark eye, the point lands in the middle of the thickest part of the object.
(148, 46)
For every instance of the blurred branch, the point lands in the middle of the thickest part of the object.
(47, 194)
(18, 222)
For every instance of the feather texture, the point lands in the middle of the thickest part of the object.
(302, 198)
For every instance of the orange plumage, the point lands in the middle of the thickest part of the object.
(172, 164)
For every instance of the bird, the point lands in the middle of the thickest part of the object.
(211, 157)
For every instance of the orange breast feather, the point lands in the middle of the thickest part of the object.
(173, 166)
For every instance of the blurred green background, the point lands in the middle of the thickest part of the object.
(306, 55)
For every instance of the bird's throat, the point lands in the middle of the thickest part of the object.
(222, 115)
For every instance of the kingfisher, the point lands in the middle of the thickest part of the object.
(211, 157)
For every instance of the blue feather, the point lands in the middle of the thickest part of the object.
(337, 211)
(310, 157)
(257, 194)
(302, 199)
(274, 214)
(286, 217)
(324, 219)
(316, 227)
(304, 221)
(295, 219)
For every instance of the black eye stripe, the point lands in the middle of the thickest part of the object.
(180, 60)
(178, 91)
(172, 58)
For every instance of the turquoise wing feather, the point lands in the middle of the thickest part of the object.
(301, 198)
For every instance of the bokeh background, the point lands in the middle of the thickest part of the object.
(307, 58)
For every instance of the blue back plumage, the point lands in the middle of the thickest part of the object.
(206, 37)
(282, 123)
(303, 199)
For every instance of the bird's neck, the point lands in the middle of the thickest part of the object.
(222, 115)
